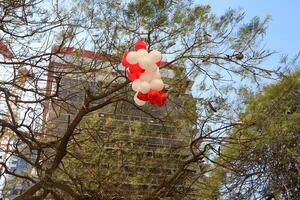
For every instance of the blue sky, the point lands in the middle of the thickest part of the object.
(283, 34)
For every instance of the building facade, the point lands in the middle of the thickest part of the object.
(127, 153)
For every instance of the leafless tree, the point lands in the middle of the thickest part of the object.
(47, 76)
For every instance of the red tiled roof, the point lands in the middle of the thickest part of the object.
(83, 53)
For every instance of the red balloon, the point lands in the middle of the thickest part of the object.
(133, 76)
(143, 97)
(153, 96)
(140, 44)
(163, 99)
(136, 69)
(157, 97)
(125, 63)
(158, 63)
(152, 102)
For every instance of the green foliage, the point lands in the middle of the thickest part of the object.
(102, 155)
(262, 157)
(114, 156)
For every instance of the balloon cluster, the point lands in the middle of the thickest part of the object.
(144, 74)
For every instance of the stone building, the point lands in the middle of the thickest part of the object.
(138, 151)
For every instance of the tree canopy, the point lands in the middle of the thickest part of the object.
(45, 78)
(261, 157)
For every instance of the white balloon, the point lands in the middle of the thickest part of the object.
(147, 76)
(145, 62)
(136, 85)
(137, 101)
(157, 84)
(132, 57)
(142, 53)
(155, 56)
(145, 87)
(153, 67)
(156, 75)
